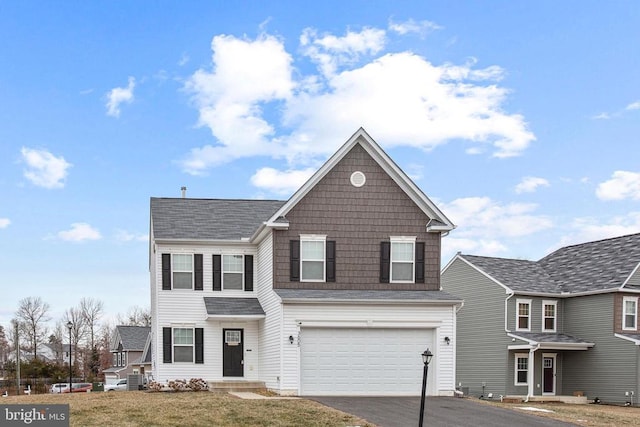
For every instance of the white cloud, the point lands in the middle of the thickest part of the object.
(43, 168)
(588, 229)
(4, 222)
(422, 27)
(529, 184)
(79, 232)
(601, 116)
(255, 102)
(125, 236)
(184, 59)
(633, 106)
(281, 182)
(622, 185)
(118, 95)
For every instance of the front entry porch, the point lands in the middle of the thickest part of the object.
(577, 400)
(236, 385)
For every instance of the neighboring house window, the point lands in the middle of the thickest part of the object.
(523, 315)
(549, 315)
(232, 272)
(312, 258)
(629, 313)
(182, 344)
(182, 271)
(522, 369)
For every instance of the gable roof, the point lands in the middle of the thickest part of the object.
(598, 266)
(193, 219)
(438, 221)
(133, 338)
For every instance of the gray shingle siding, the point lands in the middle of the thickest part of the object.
(480, 330)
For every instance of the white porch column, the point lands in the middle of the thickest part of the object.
(530, 387)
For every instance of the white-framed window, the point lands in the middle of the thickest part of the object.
(312, 258)
(182, 270)
(549, 316)
(233, 272)
(403, 254)
(630, 313)
(523, 315)
(183, 345)
(521, 374)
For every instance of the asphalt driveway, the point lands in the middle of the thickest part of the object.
(439, 411)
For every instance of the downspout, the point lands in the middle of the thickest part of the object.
(506, 301)
(530, 388)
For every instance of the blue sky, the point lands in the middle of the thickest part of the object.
(519, 119)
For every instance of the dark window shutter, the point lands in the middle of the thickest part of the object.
(419, 262)
(217, 272)
(294, 260)
(166, 272)
(199, 345)
(197, 264)
(331, 261)
(248, 273)
(385, 261)
(166, 345)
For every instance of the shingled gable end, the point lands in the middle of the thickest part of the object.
(274, 292)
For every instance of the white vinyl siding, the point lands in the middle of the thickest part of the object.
(521, 369)
(549, 316)
(312, 258)
(232, 272)
(402, 259)
(630, 313)
(182, 271)
(523, 315)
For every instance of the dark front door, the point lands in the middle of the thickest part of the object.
(548, 375)
(233, 352)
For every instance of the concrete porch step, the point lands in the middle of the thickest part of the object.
(236, 385)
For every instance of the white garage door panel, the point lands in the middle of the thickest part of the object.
(372, 362)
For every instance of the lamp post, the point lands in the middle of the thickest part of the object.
(69, 327)
(426, 358)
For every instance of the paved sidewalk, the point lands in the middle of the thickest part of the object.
(257, 396)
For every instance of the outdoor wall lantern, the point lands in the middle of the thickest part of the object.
(426, 359)
(69, 327)
(290, 339)
(447, 340)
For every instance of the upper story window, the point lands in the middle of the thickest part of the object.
(182, 271)
(233, 272)
(523, 315)
(549, 316)
(402, 259)
(312, 258)
(630, 313)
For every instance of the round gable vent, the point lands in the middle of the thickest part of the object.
(358, 179)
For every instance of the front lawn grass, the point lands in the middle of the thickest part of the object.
(202, 409)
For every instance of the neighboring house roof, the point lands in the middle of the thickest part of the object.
(209, 219)
(438, 221)
(594, 266)
(233, 307)
(133, 338)
(114, 370)
(316, 295)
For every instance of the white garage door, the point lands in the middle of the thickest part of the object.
(374, 362)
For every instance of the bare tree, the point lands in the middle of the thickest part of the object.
(136, 316)
(4, 350)
(32, 317)
(91, 312)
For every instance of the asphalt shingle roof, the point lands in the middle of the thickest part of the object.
(599, 265)
(133, 337)
(209, 219)
(233, 306)
(550, 338)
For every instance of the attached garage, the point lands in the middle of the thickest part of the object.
(363, 361)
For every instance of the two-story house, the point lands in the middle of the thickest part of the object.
(564, 325)
(333, 291)
(129, 346)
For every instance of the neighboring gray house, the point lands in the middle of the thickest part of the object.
(128, 346)
(564, 325)
(335, 291)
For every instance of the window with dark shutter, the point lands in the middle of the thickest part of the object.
(199, 345)
(294, 260)
(385, 261)
(166, 272)
(248, 273)
(166, 345)
(197, 268)
(419, 276)
(217, 272)
(331, 261)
